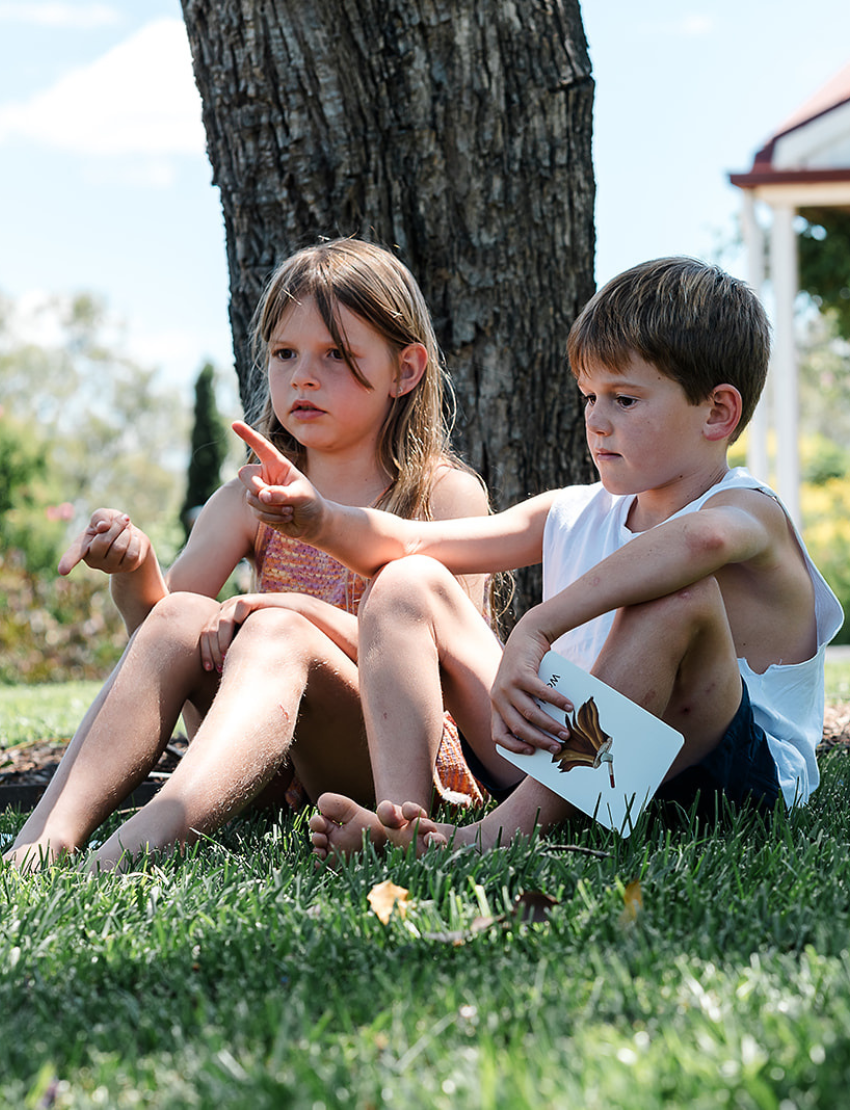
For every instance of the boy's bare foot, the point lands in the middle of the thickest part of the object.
(337, 829)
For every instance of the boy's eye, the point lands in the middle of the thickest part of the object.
(587, 399)
(626, 402)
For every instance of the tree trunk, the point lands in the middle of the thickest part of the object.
(456, 132)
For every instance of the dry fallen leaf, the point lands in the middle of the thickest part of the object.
(633, 903)
(386, 897)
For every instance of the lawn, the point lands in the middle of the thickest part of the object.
(682, 967)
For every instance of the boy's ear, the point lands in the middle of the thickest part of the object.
(724, 414)
(411, 366)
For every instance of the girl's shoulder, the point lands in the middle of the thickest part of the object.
(457, 491)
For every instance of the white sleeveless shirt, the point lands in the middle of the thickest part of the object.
(586, 524)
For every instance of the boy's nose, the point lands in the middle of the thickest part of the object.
(596, 422)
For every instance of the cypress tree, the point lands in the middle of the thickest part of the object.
(208, 448)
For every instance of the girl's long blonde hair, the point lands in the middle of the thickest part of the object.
(376, 286)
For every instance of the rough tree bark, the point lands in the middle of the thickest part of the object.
(457, 132)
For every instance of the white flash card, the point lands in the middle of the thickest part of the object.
(617, 753)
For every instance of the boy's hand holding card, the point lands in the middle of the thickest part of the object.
(617, 753)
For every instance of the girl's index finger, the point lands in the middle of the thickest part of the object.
(266, 452)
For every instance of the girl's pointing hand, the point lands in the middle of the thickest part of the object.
(278, 493)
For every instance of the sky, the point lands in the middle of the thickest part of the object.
(105, 186)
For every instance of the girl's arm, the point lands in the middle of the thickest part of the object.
(222, 536)
(457, 494)
(367, 539)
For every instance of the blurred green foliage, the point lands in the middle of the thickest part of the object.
(81, 425)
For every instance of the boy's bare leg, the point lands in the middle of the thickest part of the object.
(423, 646)
(280, 669)
(674, 656)
(124, 731)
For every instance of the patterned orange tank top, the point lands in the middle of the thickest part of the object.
(286, 565)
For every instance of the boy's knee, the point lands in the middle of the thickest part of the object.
(693, 605)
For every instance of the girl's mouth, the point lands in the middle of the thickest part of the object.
(304, 409)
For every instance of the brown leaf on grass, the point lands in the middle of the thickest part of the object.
(633, 903)
(386, 897)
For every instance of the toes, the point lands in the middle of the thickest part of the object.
(390, 815)
(412, 811)
(337, 808)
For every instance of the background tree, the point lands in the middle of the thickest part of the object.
(81, 425)
(208, 448)
(458, 132)
(824, 252)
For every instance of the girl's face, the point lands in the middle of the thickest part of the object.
(315, 396)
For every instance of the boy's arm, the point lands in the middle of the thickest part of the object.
(667, 558)
(367, 539)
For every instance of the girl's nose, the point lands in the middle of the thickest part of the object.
(304, 374)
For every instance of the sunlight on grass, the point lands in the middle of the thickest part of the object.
(46, 712)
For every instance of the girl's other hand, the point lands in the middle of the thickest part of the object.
(111, 543)
(278, 493)
(218, 635)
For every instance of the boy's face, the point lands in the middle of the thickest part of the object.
(642, 431)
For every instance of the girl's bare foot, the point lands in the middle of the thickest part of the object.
(409, 823)
(338, 828)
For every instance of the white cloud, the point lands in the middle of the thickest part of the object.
(694, 25)
(59, 15)
(139, 98)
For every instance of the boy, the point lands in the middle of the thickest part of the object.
(677, 581)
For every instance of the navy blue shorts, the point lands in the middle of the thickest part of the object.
(481, 773)
(741, 767)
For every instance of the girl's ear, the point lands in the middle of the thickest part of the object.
(724, 414)
(411, 366)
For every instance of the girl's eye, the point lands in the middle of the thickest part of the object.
(337, 355)
(284, 353)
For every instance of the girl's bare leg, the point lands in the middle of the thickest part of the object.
(674, 656)
(279, 669)
(124, 731)
(423, 646)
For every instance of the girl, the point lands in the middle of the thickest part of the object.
(355, 396)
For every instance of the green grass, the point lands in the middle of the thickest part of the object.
(242, 976)
(44, 712)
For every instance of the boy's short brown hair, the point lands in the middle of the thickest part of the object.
(694, 322)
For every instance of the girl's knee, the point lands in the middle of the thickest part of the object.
(412, 583)
(270, 630)
(177, 616)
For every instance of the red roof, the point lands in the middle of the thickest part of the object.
(832, 95)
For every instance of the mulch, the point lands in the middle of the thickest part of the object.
(26, 769)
